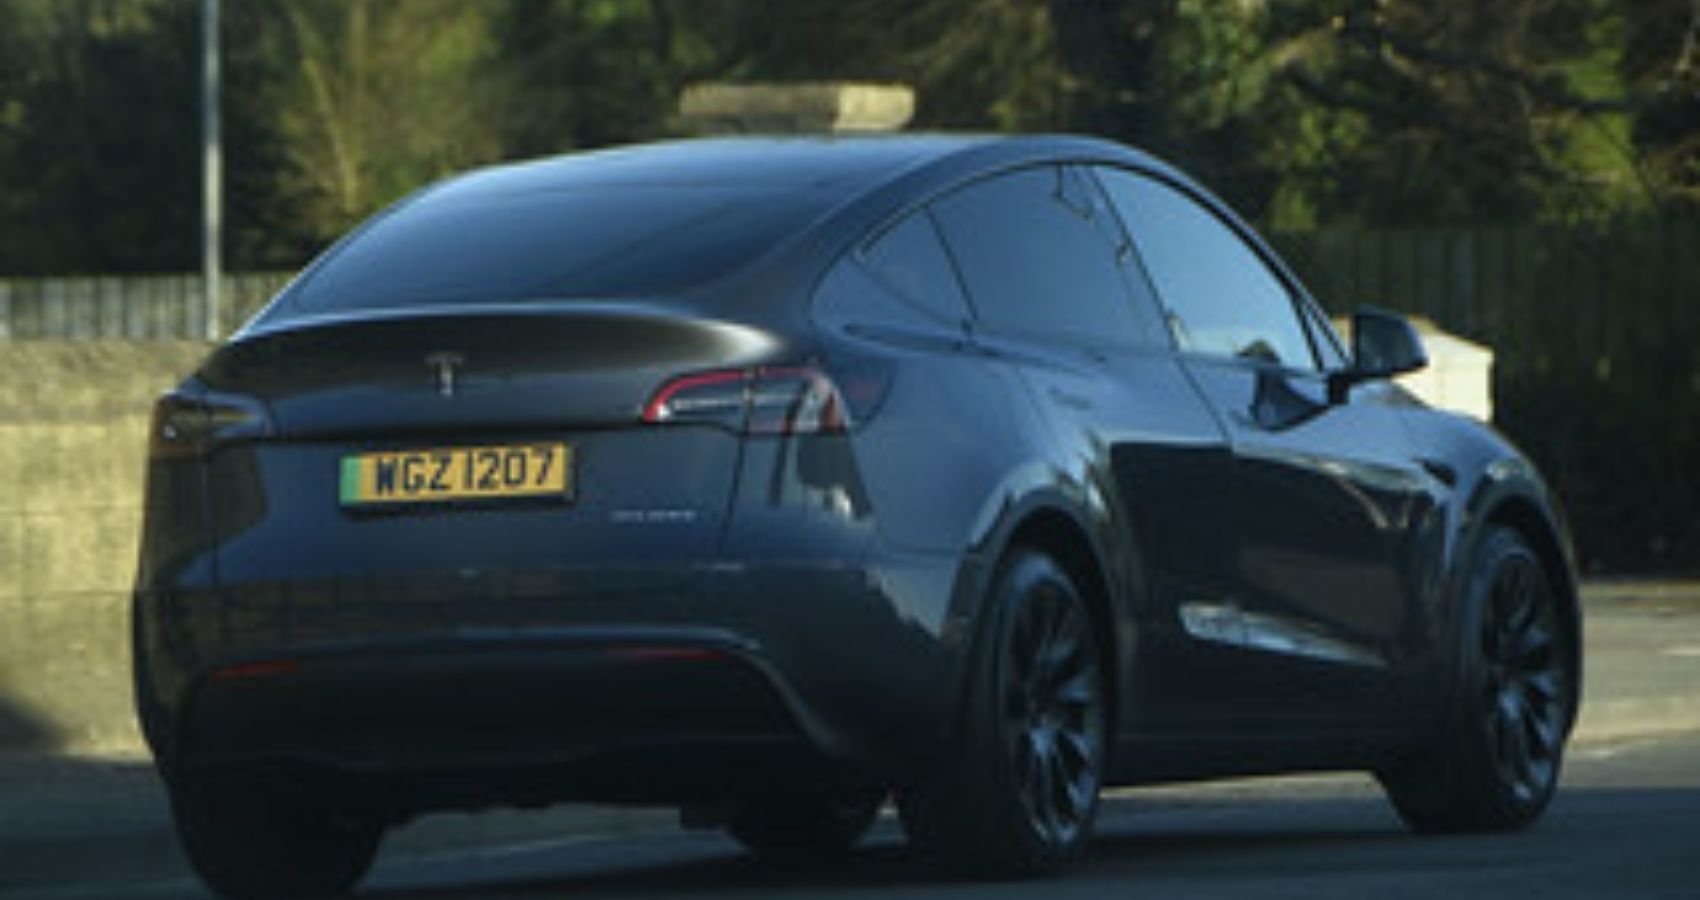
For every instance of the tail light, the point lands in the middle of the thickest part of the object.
(777, 400)
(187, 425)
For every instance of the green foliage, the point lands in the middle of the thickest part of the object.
(94, 144)
(375, 105)
(1303, 112)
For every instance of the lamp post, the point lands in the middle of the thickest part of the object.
(212, 170)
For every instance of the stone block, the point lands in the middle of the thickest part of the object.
(800, 107)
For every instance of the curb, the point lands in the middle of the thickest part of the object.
(1637, 717)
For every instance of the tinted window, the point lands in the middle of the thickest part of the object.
(1221, 296)
(594, 242)
(912, 260)
(1036, 258)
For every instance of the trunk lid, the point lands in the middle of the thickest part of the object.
(645, 512)
(450, 369)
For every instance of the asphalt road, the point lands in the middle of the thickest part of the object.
(1626, 824)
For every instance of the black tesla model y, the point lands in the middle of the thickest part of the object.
(770, 478)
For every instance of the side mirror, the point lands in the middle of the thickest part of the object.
(1384, 344)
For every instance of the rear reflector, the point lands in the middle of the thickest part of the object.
(265, 669)
(790, 400)
(665, 654)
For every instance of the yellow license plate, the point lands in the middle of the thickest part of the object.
(457, 473)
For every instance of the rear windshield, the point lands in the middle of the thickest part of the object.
(603, 241)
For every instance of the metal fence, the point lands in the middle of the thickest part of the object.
(126, 307)
(1579, 290)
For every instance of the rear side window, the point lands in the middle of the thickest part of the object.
(602, 241)
(1036, 258)
(911, 259)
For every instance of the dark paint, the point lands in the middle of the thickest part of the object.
(1273, 570)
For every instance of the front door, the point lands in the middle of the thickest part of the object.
(1329, 504)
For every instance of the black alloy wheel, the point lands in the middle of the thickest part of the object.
(1054, 714)
(1497, 765)
(1019, 795)
(1523, 704)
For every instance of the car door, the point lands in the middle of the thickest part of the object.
(1330, 500)
(1047, 268)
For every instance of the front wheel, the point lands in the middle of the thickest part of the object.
(265, 836)
(1019, 796)
(1496, 765)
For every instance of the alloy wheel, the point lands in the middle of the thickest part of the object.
(1054, 714)
(1524, 690)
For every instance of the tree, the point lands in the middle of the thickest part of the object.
(1662, 59)
(376, 99)
(97, 159)
(587, 73)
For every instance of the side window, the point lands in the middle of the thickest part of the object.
(1221, 297)
(910, 258)
(1036, 260)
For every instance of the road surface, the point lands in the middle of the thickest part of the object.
(1626, 824)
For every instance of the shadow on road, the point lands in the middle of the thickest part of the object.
(1624, 827)
(22, 731)
(78, 820)
(699, 865)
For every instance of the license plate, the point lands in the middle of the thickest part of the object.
(444, 474)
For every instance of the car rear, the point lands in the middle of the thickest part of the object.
(464, 509)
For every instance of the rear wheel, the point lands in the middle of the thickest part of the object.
(805, 828)
(1496, 765)
(265, 836)
(1019, 794)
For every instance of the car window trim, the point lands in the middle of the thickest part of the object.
(860, 255)
(1128, 255)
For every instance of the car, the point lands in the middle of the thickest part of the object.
(769, 478)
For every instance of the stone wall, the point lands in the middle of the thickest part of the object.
(73, 436)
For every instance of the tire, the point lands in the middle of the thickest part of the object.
(265, 836)
(1495, 765)
(802, 829)
(1018, 795)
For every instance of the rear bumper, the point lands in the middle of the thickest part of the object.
(609, 716)
(744, 677)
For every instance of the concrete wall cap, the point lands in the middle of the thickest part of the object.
(721, 107)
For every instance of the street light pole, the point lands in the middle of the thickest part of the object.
(212, 170)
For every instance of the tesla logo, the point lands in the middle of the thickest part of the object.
(443, 365)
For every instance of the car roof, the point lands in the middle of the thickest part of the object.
(829, 191)
(844, 164)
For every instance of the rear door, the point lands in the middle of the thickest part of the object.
(1331, 502)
